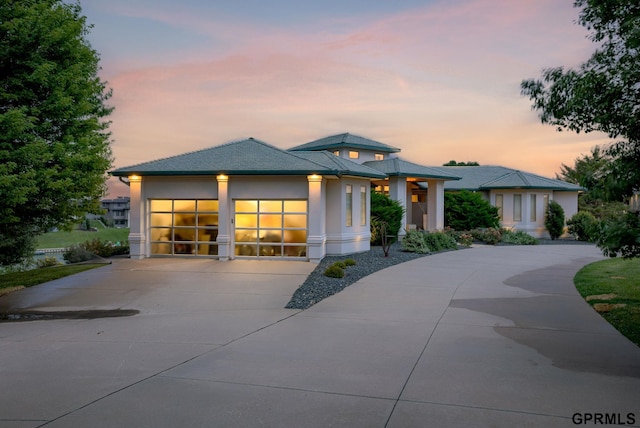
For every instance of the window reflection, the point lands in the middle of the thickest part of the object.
(183, 227)
(273, 225)
(184, 206)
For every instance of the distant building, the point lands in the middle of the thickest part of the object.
(117, 211)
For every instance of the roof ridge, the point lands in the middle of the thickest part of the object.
(292, 153)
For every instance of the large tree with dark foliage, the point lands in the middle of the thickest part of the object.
(54, 139)
(603, 93)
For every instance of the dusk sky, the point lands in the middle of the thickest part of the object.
(438, 78)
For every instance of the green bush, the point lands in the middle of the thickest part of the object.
(89, 249)
(77, 253)
(384, 210)
(439, 241)
(490, 236)
(427, 242)
(583, 226)
(47, 262)
(104, 248)
(620, 236)
(554, 220)
(341, 265)
(350, 262)
(517, 238)
(334, 271)
(414, 242)
(467, 210)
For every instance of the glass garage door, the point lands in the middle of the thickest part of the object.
(183, 227)
(270, 228)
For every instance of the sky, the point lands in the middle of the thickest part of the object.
(439, 79)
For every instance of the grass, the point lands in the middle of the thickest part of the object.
(39, 276)
(63, 239)
(614, 282)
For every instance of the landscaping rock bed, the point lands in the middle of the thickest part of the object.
(317, 286)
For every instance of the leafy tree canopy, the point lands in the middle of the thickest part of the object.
(54, 139)
(603, 93)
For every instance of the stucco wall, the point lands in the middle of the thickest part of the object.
(180, 188)
(343, 239)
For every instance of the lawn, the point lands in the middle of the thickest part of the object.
(63, 239)
(612, 287)
(38, 276)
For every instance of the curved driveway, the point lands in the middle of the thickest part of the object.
(489, 336)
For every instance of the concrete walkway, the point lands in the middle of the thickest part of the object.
(490, 336)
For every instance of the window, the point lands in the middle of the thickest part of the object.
(517, 207)
(349, 205)
(363, 205)
(353, 154)
(499, 205)
(532, 216)
(183, 227)
(337, 153)
(378, 156)
(272, 228)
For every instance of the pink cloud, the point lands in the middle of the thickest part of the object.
(440, 81)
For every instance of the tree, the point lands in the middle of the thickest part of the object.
(386, 217)
(467, 210)
(602, 94)
(54, 139)
(554, 220)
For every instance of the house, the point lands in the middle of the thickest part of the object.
(521, 197)
(249, 199)
(117, 210)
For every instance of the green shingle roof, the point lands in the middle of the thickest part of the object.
(401, 168)
(346, 140)
(245, 157)
(498, 177)
(345, 166)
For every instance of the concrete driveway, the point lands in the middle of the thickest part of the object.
(490, 336)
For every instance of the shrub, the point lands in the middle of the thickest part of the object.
(384, 210)
(426, 242)
(104, 248)
(334, 271)
(350, 262)
(465, 239)
(341, 265)
(466, 210)
(439, 241)
(414, 242)
(554, 220)
(47, 262)
(76, 254)
(583, 226)
(490, 236)
(517, 238)
(620, 236)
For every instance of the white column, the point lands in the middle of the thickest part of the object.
(398, 192)
(435, 205)
(316, 235)
(137, 240)
(224, 218)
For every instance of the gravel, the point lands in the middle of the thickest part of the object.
(317, 286)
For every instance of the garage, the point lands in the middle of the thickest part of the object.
(183, 227)
(270, 228)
